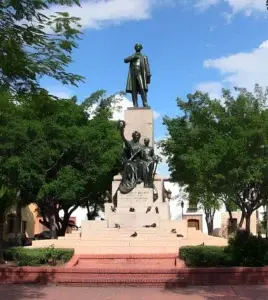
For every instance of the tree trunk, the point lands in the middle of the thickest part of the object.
(240, 224)
(247, 217)
(2, 222)
(92, 214)
(64, 224)
(18, 233)
(210, 225)
(88, 212)
(52, 225)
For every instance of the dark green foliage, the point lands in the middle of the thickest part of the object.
(205, 256)
(39, 256)
(248, 250)
(244, 250)
(34, 43)
(219, 146)
(53, 154)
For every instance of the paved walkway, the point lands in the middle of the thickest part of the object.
(19, 292)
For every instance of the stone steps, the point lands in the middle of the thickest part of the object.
(125, 250)
(123, 261)
(134, 245)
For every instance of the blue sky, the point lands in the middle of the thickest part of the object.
(191, 44)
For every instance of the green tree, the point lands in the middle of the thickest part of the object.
(54, 153)
(86, 157)
(218, 144)
(6, 198)
(20, 154)
(34, 44)
(208, 202)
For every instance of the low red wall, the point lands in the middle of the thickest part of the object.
(151, 277)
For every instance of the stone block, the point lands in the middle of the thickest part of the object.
(135, 220)
(142, 120)
(140, 196)
(87, 226)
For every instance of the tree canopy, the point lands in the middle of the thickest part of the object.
(34, 44)
(54, 153)
(219, 146)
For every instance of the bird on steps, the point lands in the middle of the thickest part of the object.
(148, 209)
(173, 230)
(157, 210)
(117, 226)
(132, 209)
(134, 234)
(179, 235)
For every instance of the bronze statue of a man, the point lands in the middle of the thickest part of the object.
(139, 76)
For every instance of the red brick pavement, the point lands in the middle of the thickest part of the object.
(34, 292)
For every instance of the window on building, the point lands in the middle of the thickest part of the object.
(193, 223)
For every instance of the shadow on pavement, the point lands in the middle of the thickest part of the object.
(253, 292)
(21, 292)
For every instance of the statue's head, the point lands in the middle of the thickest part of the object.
(138, 47)
(136, 136)
(146, 142)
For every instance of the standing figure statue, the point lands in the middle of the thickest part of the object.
(139, 76)
(135, 168)
(151, 162)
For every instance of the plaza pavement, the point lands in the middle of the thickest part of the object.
(33, 292)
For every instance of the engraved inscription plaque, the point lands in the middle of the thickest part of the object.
(138, 197)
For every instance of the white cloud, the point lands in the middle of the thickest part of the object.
(97, 13)
(213, 88)
(119, 105)
(243, 69)
(60, 92)
(245, 6)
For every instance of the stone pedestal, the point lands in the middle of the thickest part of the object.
(142, 120)
(146, 209)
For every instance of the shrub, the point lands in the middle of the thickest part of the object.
(38, 256)
(248, 250)
(205, 256)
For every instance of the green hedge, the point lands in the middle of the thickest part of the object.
(248, 250)
(38, 256)
(205, 256)
(244, 250)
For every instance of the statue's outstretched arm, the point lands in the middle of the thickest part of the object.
(122, 125)
(130, 58)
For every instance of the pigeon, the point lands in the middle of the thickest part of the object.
(117, 226)
(134, 234)
(173, 230)
(203, 244)
(132, 209)
(157, 210)
(153, 225)
(113, 209)
(147, 226)
(148, 209)
(179, 235)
